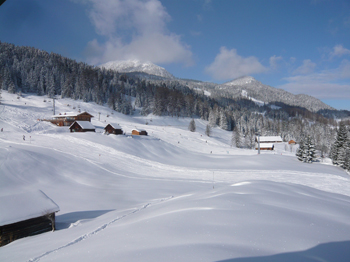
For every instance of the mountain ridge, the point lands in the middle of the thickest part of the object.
(252, 87)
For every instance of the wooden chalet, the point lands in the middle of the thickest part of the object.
(139, 132)
(26, 214)
(265, 146)
(269, 139)
(67, 119)
(113, 129)
(291, 142)
(82, 126)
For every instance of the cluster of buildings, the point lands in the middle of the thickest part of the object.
(81, 122)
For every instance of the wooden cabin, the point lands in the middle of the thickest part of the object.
(82, 126)
(139, 132)
(291, 142)
(67, 119)
(113, 129)
(265, 146)
(269, 139)
(26, 214)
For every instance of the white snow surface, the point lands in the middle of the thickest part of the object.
(19, 206)
(174, 195)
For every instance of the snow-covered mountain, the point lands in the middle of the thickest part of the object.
(255, 89)
(128, 66)
(248, 84)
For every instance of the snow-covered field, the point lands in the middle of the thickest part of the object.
(171, 196)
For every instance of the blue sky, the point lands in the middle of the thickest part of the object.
(302, 46)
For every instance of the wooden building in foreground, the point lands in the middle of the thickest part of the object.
(113, 129)
(25, 214)
(82, 126)
(139, 132)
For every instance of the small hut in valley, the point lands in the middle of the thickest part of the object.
(113, 129)
(25, 214)
(82, 126)
(139, 132)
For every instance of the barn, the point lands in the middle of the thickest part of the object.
(139, 132)
(25, 214)
(113, 128)
(82, 126)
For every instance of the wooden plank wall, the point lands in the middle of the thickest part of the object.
(30, 227)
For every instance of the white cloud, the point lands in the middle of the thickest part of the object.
(157, 48)
(274, 61)
(326, 84)
(306, 68)
(228, 65)
(134, 28)
(339, 51)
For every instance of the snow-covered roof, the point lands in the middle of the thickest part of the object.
(25, 205)
(70, 114)
(266, 139)
(115, 125)
(84, 124)
(265, 145)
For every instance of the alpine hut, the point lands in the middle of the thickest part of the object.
(25, 214)
(67, 119)
(139, 132)
(113, 128)
(82, 126)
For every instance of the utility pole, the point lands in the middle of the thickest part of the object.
(99, 116)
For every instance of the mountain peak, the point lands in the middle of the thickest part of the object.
(128, 66)
(242, 81)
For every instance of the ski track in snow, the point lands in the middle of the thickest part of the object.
(99, 229)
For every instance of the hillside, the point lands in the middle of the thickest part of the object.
(174, 195)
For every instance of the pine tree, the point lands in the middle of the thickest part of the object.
(208, 130)
(306, 151)
(300, 151)
(340, 145)
(310, 151)
(236, 138)
(192, 126)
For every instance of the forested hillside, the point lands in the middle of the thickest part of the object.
(29, 70)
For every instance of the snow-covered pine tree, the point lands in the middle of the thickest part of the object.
(338, 150)
(306, 151)
(236, 138)
(301, 151)
(208, 130)
(310, 150)
(192, 126)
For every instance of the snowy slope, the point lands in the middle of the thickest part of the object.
(172, 196)
(128, 66)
